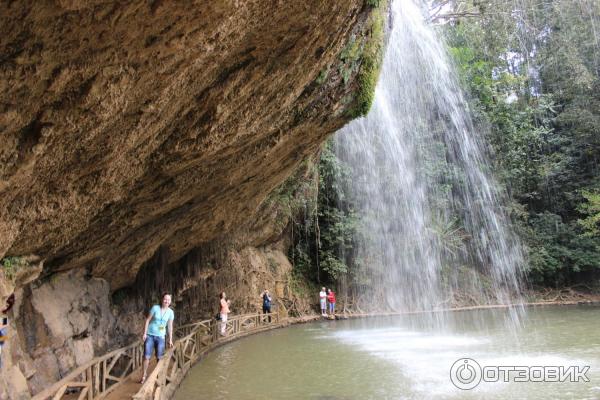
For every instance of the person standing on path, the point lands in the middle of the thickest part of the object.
(158, 323)
(10, 301)
(323, 302)
(3, 329)
(331, 300)
(223, 311)
(266, 299)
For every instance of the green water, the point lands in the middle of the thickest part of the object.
(400, 358)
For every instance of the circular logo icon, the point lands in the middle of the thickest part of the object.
(465, 373)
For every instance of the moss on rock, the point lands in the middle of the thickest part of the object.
(361, 59)
(371, 59)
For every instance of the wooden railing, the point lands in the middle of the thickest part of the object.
(98, 377)
(201, 336)
(102, 375)
(184, 330)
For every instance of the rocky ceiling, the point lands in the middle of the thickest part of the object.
(130, 125)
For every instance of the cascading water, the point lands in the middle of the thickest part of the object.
(433, 232)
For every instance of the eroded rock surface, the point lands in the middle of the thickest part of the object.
(55, 326)
(139, 142)
(131, 125)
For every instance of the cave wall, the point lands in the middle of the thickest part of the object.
(133, 125)
(243, 273)
(140, 143)
(65, 319)
(242, 263)
(58, 325)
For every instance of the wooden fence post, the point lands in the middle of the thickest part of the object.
(89, 377)
(94, 379)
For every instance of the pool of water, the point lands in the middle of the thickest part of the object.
(404, 358)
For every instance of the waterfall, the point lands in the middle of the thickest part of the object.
(433, 227)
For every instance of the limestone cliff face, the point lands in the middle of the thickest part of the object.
(139, 142)
(133, 125)
(68, 318)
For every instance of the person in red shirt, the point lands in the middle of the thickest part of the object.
(331, 301)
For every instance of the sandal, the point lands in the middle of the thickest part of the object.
(143, 380)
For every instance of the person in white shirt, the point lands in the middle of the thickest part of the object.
(223, 311)
(323, 301)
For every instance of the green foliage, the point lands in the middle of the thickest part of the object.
(332, 265)
(533, 76)
(10, 266)
(532, 71)
(591, 208)
(350, 59)
(322, 76)
(299, 285)
(371, 60)
(363, 55)
(450, 234)
(294, 194)
(301, 258)
(323, 237)
(558, 249)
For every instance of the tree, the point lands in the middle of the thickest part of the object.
(532, 69)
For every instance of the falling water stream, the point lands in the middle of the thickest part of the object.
(433, 226)
(433, 231)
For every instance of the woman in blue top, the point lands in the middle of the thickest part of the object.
(159, 321)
